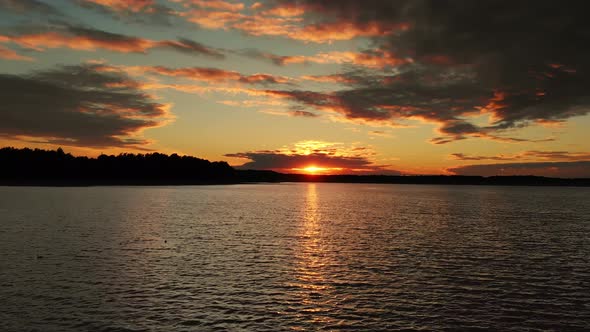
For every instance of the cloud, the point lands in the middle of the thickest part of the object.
(292, 113)
(379, 133)
(188, 46)
(278, 161)
(216, 75)
(335, 78)
(572, 169)
(369, 58)
(327, 32)
(213, 4)
(78, 106)
(530, 155)
(326, 156)
(8, 54)
(89, 39)
(462, 156)
(29, 6)
(253, 102)
(138, 11)
(519, 64)
(122, 5)
(284, 10)
(284, 20)
(304, 114)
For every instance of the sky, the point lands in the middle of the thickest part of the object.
(314, 86)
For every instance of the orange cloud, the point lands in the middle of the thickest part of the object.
(8, 54)
(285, 10)
(328, 78)
(290, 27)
(326, 32)
(45, 40)
(213, 19)
(285, 21)
(372, 59)
(267, 26)
(495, 104)
(195, 73)
(79, 38)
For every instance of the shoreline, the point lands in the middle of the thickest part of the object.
(278, 178)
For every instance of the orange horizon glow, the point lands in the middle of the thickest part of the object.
(313, 170)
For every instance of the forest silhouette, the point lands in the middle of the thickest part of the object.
(56, 168)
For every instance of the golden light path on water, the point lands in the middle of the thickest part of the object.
(313, 284)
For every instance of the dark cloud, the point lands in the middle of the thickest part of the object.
(532, 154)
(462, 156)
(558, 155)
(278, 60)
(520, 62)
(189, 46)
(281, 161)
(304, 114)
(78, 106)
(572, 169)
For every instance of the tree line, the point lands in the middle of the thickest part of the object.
(56, 168)
(38, 166)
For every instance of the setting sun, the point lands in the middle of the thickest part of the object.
(312, 169)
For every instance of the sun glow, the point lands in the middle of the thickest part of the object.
(312, 169)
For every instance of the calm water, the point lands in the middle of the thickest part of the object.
(286, 257)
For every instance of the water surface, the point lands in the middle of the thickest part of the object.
(282, 257)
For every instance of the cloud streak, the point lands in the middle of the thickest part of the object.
(530, 155)
(8, 54)
(572, 169)
(214, 75)
(283, 20)
(371, 58)
(89, 39)
(29, 6)
(138, 11)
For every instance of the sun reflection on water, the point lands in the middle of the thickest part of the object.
(311, 284)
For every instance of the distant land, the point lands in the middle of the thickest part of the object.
(37, 167)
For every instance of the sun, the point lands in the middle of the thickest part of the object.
(313, 169)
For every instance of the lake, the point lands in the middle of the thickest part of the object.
(291, 257)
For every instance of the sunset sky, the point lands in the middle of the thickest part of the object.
(347, 86)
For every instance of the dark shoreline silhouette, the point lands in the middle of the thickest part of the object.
(36, 167)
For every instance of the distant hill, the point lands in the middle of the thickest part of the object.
(57, 168)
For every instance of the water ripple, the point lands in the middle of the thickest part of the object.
(295, 257)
